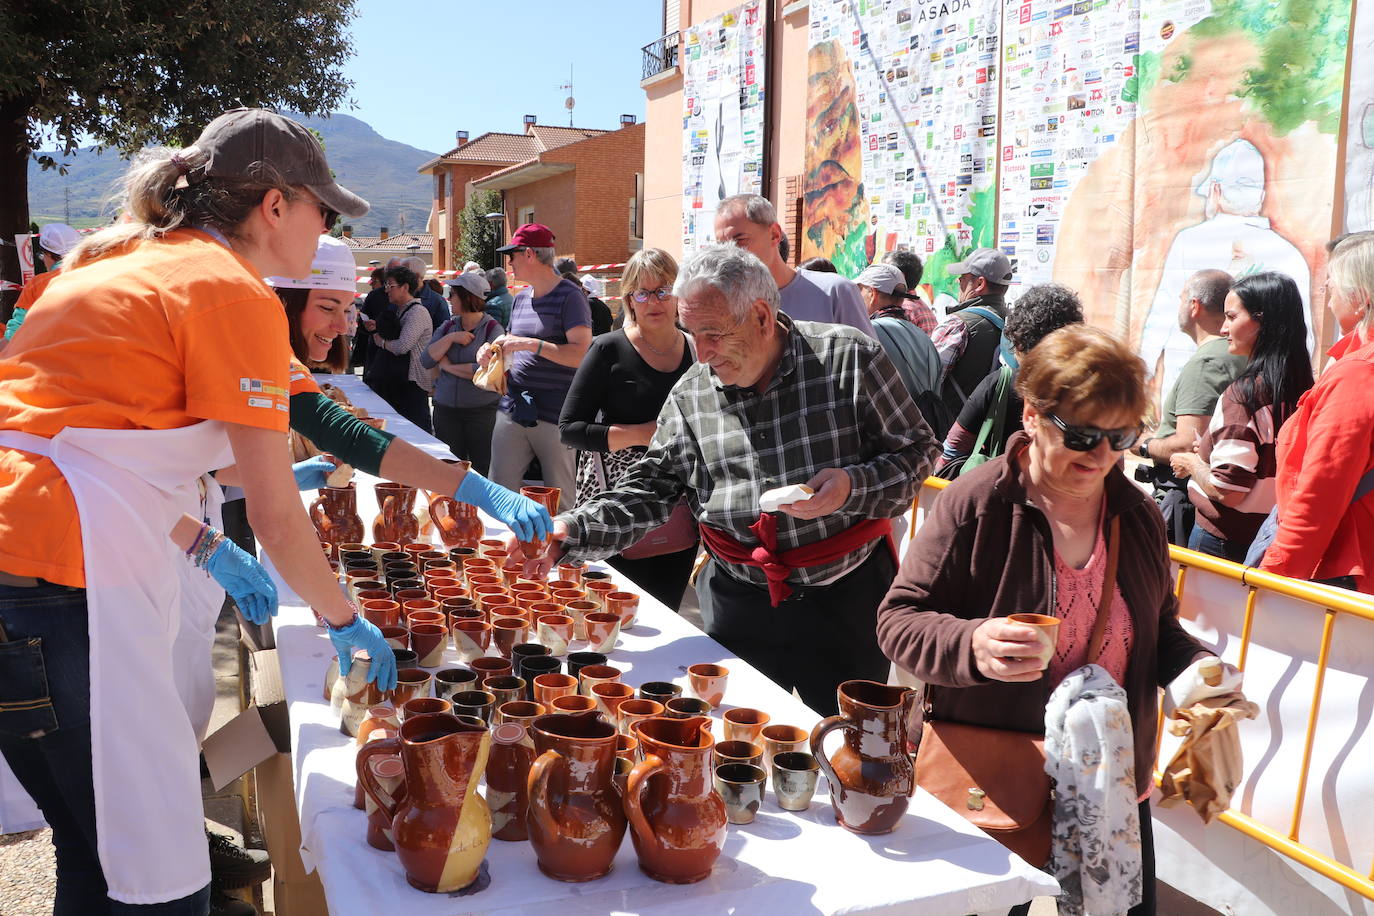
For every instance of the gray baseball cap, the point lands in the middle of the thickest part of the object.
(988, 263)
(882, 277)
(239, 141)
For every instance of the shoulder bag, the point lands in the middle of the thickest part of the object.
(996, 777)
(990, 434)
(600, 471)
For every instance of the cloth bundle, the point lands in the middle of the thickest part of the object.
(1207, 767)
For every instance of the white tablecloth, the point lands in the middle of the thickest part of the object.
(934, 863)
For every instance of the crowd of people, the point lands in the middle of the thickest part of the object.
(776, 419)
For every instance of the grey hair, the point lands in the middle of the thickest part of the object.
(544, 256)
(757, 209)
(496, 277)
(732, 273)
(417, 266)
(1209, 287)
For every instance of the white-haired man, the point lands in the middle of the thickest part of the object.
(771, 403)
(432, 301)
(751, 222)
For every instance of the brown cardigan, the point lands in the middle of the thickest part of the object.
(985, 551)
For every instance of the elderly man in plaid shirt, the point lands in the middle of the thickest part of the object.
(773, 402)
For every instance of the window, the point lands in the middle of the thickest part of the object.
(439, 188)
(637, 208)
(526, 216)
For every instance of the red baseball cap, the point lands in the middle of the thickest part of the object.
(530, 235)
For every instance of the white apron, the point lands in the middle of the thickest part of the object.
(201, 601)
(130, 487)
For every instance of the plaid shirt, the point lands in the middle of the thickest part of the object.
(835, 401)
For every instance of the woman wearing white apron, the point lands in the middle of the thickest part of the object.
(157, 355)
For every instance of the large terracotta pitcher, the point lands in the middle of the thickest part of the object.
(440, 826)
(575, 819)
(396, 522)
(870, 776)
(677, 819)
(458, 524)
(335, 514)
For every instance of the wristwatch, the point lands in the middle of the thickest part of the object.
(1143, 449)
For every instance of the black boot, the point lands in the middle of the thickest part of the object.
(233, 866)
(221, 904)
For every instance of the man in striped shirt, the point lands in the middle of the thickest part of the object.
(774, 402)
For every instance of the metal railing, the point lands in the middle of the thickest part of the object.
(1332, 602)
(660, 55)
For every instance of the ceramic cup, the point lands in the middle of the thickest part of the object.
(548, 687)
(1046, 630)
(609, 696)
(794, 779)
(410, 683)
(532, 666)
(471, 638)
(779, 739)
(708, 682)
(627, 746)
(382, 613)
(570, 572)
(474, 703)
(396, 637)
(429, 640)
(579, 660)
(422, 705)
(578, 611)
(490, 544)
(488, 667)
(373, 594)
(745, 724)
(507, 633)
(408, 596)
(555, 631)
(624, 604)
(598, 589)
(521, 712)
(572, 704)
(662, 691)
(603, 630)
(382, 548)
(591, 675)
(406, 658)
(456, 554)
(632, 711)
(525, 650)
(738, 752)
(685, 708)
(741, 787)
(448, 681)
(506, 689)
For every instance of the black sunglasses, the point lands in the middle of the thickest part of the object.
(513, 252)
(1086, 438)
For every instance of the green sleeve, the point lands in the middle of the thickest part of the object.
(338, 432)
(1199, 389)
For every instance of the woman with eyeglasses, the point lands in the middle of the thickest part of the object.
(612, 408)
(464, 415)
(1053, 527)
(1231, 472)
(400, 336)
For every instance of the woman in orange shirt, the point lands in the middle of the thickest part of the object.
(102, 452)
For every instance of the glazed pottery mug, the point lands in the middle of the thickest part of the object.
(449, 681)
(598, 589)
(602, 630)
(488, 667)
(662, 691)
(609, 696)
(421, 705)
(779, 739)
(1046, 631)
(474, 703)
(410, 683)
(579, 660)
(572, 703)
(794, 779)
(632, 711)
(744, 724)
(555, 631)
(578, 611)
(532, 666)
(548, 687)
(507, 633)
(396, 637)
(428, 640)
(738, 752)
(406, 658)
(741, 787)
(708, 682)
(506, 689)
(526, 649)
(522, 712)
(471, 638)
(591, 675)
(382, 613)
(686, 707)
(571, 572)
(625, 605)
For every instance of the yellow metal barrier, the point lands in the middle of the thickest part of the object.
(1332, 602)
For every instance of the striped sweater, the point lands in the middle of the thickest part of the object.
(1239, 449)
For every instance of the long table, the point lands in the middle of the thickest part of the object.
(933, 863)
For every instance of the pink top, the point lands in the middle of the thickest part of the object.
(1078, 592)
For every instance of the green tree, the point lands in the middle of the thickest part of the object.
(477, 237)
(128, 74)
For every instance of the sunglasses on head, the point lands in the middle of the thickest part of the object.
(1086, 438)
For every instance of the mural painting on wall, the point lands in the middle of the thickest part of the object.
(1359, 109)
(901, 131)
(723, 96)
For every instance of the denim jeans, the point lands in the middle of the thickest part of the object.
(1204, 541)
(45, 737)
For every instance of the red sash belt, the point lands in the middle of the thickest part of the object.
(778, 565)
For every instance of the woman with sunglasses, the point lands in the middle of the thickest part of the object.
(1231, 474)
(1051, 526)
(612, 408)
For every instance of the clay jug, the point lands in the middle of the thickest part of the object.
(677, 819)
(335, 514)
(396, 521)
(576, 820)
(441, 827)
(380, 720)
(512, 753)
(458, 524)
(871, 776)
(390, 773)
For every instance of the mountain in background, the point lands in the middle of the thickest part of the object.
(381, 170)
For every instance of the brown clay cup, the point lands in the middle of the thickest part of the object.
(591, 675)
(598, 589)
(521, 712)
(396, 637)
(743, 724)
(603, 629)
(1046, 630)
(708, 682)
(410, 683)
(686, 708)
(421, 705)
(570, 572)
(471, 638)
(738, 752)
(625, 605)
(474, 703)
(632, 711)
(506, 689)
(781, 739)
(609, 696)
(506, 633)
(572, 703)
(489, 667)
(382, 613)
(555, 631)
(548, 687)
(429, 641)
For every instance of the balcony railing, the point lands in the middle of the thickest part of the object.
(660, 55)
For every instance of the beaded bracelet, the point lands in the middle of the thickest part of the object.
(199, 535)
(207, 549)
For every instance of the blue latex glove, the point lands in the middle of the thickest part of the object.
(524, 516)
(312, 473)
(245, 580)
(363, 634)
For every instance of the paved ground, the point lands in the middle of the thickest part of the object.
(26, 861)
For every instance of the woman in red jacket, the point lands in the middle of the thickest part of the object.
(1326, 450)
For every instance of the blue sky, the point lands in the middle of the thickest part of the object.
(425, 68)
